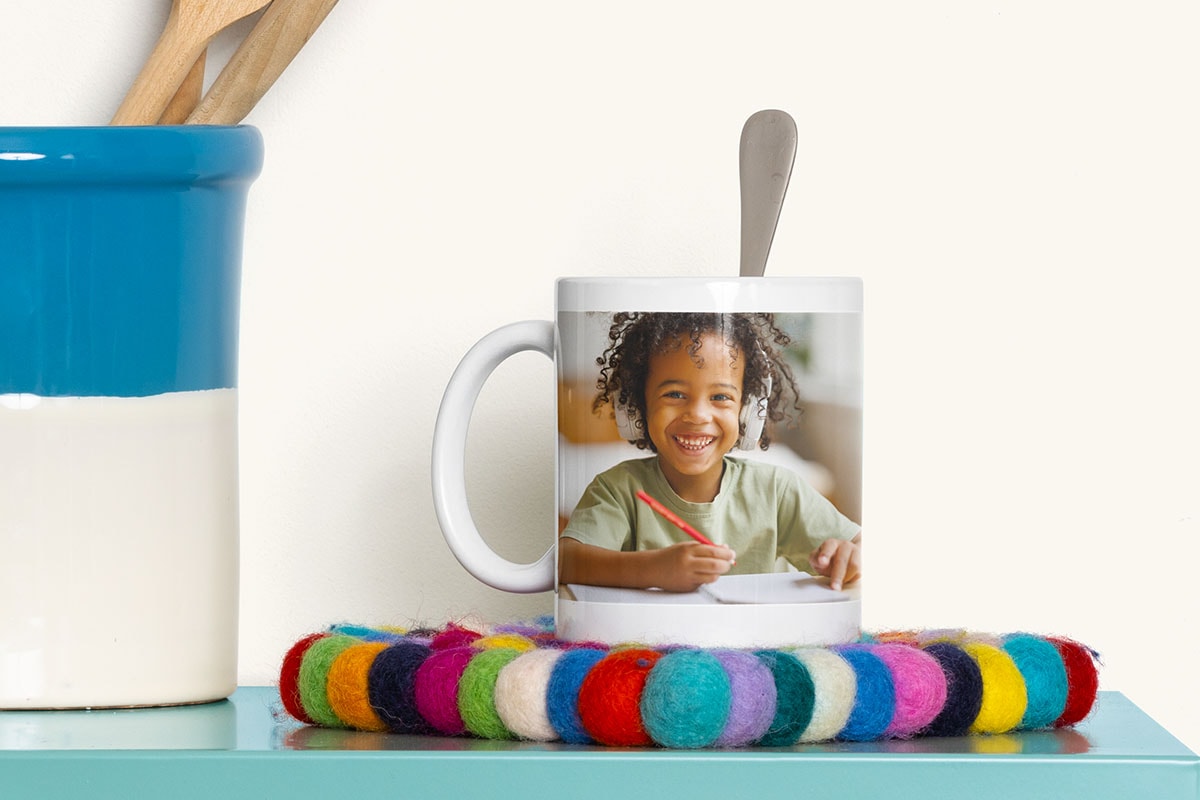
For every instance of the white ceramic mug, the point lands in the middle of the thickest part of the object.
(709, 447)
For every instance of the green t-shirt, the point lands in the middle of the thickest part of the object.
(762, 512)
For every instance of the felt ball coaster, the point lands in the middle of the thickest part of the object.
(519, 682)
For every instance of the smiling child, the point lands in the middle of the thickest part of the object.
(691, 388)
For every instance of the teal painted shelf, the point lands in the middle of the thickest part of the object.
(246, 747)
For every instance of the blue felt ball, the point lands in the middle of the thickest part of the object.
(1042, 667)
(874, 695)
(686, 700)
(562, 693)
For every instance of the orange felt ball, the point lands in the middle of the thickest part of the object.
(346, 686)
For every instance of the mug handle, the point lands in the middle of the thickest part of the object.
(449, 456)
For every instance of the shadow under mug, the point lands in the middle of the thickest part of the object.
(120, 266)
(778, 440)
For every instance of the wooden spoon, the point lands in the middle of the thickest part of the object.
(187, 97)
(260, 59)
(190, 26)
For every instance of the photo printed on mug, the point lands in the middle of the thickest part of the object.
(709, 457)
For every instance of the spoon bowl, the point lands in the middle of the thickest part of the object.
(766, 155)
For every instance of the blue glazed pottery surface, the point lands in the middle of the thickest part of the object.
(120, 258)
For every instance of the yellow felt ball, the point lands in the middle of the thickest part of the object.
(1004, 694)
(508, 641)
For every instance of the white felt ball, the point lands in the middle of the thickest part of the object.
(520, 695)
(834, 685)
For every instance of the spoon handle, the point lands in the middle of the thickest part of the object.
(188, 94)
(765, 158)
(191, 25)
(172, 57)
(260, 59)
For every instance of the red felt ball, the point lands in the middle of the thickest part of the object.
(1083, 679)
(454, 636)
(610, 698)
(289, 678)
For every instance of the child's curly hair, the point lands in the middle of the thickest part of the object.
(634, 337)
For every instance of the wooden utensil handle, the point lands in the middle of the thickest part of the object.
(187, 97)
(260, 59)
(164, 71)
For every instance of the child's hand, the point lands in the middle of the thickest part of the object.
(686, 566)
(839, 560)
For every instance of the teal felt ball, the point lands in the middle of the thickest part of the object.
(686, 701)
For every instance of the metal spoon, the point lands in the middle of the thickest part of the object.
(765, 158)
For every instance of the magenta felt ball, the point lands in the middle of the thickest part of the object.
(435, 689)
(920, 688)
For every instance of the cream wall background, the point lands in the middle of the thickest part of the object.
(1016, 183)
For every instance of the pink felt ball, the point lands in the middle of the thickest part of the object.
(920, 687)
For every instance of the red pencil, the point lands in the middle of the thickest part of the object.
(674, 519)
